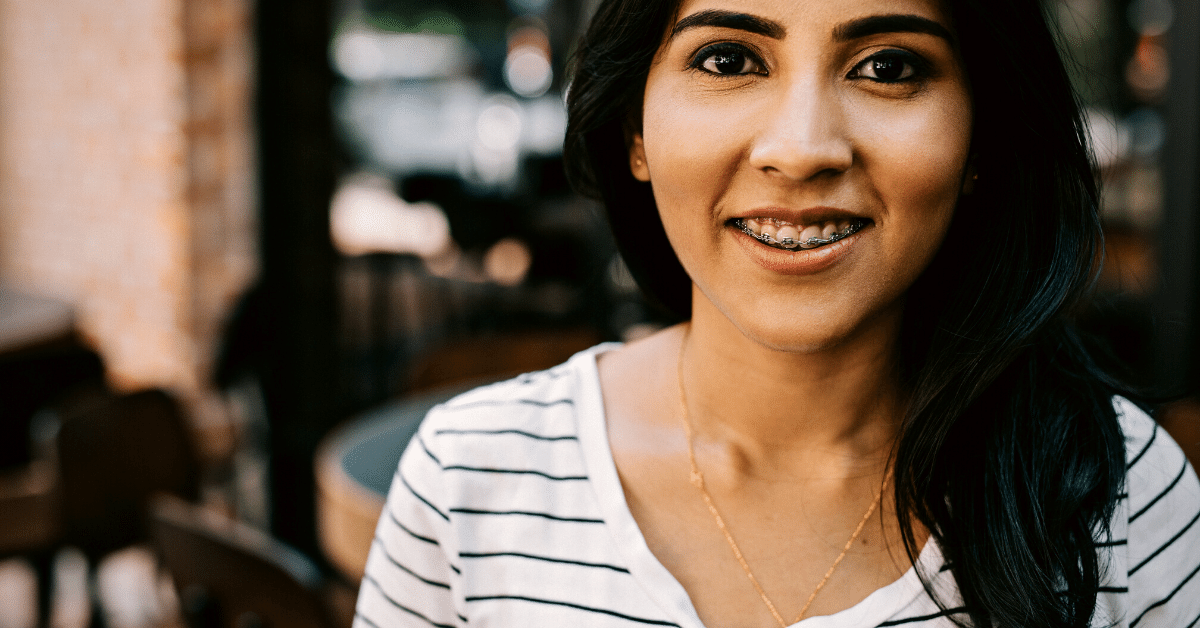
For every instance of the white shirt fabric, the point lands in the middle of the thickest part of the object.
(507, 511)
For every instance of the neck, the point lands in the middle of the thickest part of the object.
(834, 409)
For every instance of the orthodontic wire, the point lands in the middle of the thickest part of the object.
(810, 243)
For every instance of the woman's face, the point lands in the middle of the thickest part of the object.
(768, 123)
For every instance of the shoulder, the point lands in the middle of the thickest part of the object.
(528, 411)
(527, 401)
(1162, 512)
(1159, 479)
(1152, 458)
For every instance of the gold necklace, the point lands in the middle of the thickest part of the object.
(697, 479)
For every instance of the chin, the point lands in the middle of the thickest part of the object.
(809, 339)
(804, 328)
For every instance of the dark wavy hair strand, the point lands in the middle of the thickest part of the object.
(603, 104)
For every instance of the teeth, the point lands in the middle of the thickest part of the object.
(790, 237)
(810, 233)
(769, 231)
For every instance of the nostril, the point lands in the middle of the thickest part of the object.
(799, 164)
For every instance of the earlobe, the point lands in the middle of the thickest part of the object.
(970, 176)
(637, 158)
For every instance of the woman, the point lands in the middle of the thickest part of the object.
(876, 217)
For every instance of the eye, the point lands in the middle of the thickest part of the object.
(892, 66)
(727, 60)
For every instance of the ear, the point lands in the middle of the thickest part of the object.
(637, 158)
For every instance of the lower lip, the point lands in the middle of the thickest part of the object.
(801, 262)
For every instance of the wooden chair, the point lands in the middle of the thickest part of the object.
(229, 574)
(114, 453)
(98, 462)
(29, 509)
(30, 521)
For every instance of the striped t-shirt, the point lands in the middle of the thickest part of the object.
(507, 511)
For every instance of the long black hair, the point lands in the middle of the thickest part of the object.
(1010, 452)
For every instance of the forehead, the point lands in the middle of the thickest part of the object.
(818, 14)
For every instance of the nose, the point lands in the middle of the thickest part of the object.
(803, 134)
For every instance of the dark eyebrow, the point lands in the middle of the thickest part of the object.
(879, 24)
(728, 19)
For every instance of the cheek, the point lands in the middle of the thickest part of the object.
(918, 158)
(692, 146)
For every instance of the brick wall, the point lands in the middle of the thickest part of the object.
(125, 173)
(220, 193)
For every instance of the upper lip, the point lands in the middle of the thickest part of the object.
(806, 216)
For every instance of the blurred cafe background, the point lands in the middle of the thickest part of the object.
(245, 244)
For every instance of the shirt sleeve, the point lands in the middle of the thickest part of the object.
(410, 574)
(1164, 528)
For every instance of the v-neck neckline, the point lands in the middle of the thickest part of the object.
(654, 578)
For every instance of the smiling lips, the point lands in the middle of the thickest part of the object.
(788, 236)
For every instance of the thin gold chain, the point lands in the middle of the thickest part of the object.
(697, 479)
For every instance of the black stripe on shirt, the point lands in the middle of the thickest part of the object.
(543, 558)
(1169, 488)
(421, 442)
(591, 609)
(517, 432)
(1112, 543)
(1149, 442)
(909, 620)
(1165, 545)
(368, 578)
(1165, 599)
(358, 615)
(1197, 619)
(529, 378)
(475, 511)
(458, 467)
(1110, 590)
(423, 500)
(506, 402)
(392, 559)
(414, 535)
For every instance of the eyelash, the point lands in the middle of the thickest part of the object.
(725, 48)
(917, 68)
